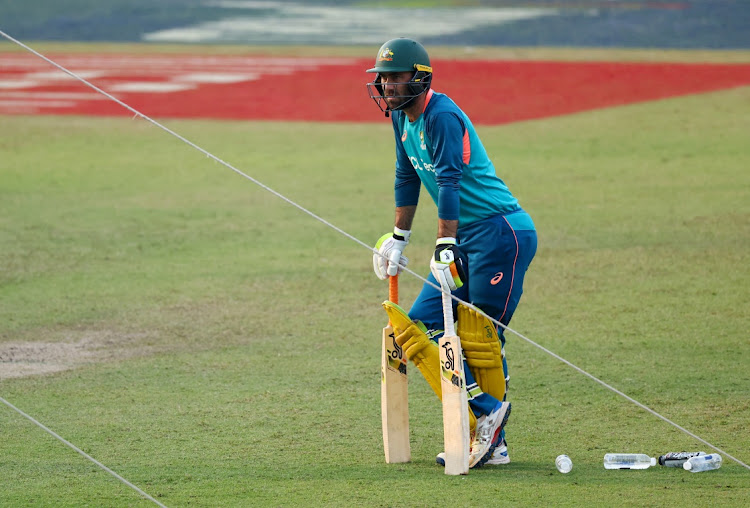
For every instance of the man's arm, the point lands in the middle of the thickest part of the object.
(447, 228)
(405, 216)
(447, 132)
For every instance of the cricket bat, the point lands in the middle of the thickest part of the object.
(455, 399)
(394, 395)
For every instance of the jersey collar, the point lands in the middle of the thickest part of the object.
(427, 99)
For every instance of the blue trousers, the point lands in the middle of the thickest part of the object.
(496, 257)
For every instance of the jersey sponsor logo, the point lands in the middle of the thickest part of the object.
(421, 141)
(421, 167)
(496, 279)
(403, 137)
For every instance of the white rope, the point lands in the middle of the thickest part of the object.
(86, 455)
(368, 247)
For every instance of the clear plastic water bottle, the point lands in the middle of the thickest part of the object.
(703, 463)
(628, 461)
(677, 459)
(563, 463)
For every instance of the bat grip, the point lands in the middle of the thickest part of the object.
(393, 288)
(448, 314)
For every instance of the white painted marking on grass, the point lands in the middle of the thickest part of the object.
(37, 104)
(192, 35)
(365, 245)
(29, 102)
(144, 74)
(17, 83)
(210, 77)
(56, 76)
(285, 23)
(74, 96)
(151, 87)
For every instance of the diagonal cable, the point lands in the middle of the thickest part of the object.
(363, 244)
(84, 454)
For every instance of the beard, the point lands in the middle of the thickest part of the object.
(395, 102)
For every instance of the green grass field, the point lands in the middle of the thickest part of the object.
(217, 347)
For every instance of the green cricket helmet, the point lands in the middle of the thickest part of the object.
(401, 55)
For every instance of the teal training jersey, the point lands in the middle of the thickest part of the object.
(441, 150)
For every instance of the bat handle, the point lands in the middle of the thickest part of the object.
(393, 288)
(448, 314)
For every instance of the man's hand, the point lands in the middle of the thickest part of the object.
(446, 265)
(390, 247)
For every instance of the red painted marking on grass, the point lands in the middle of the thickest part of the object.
(333, 90)
(514, 91)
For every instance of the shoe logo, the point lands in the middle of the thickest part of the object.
(497, 278)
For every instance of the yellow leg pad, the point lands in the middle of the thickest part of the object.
(397, 316)
(423, 353)
(418, 348)
(482, 350)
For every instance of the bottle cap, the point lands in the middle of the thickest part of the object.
(563, 463)
(687, 465)
(653, 461)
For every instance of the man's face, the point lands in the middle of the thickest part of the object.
(395, 87)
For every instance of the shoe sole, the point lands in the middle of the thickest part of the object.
(487, 456)
(495, 461)
(501, 461)
(498, 461)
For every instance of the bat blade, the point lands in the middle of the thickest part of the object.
(394, 400)
(455, 406)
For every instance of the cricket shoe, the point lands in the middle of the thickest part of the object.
(499, 456)
(487, 434)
